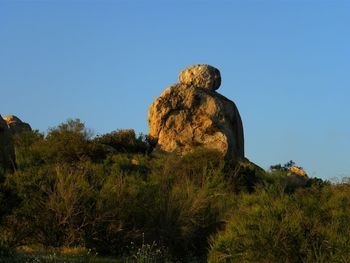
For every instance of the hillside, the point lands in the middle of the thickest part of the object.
(112, 195)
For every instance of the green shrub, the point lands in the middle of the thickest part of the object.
(8, 197)
(306, 227)
(177, 208)
(108, 192)
(190, 201)
(125, 141)
(57, 204)
(243, 176)
(69, 142)
(28, 150)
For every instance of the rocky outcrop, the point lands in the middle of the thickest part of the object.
(7, 151)
(191, 114)
(15, 125)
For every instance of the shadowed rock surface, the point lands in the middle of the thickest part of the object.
(191, 114)
(15, 125)
(7, 151)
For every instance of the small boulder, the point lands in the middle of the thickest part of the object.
(201, 76)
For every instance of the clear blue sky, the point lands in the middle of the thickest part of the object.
(286, 64)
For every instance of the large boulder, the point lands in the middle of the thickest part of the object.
(191, 114)
(15, 125)
(7, 151)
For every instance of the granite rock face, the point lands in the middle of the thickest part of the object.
(7, 151)
(15, 125)
(191, 114)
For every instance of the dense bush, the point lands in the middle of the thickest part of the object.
(7, 197)
(75, 191)
(308, 226)
(112, 195)
(126, 141)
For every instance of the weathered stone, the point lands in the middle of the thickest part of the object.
(185, 116)
(15, 125)
(201, 76)
(7, 151)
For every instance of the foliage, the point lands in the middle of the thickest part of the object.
(244, 176)
(105, 193)
(125, 141)
(149, 253)
(28, 142)
(285, 168)
(8, 197)
(309, 226)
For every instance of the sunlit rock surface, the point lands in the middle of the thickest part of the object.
(192, 114)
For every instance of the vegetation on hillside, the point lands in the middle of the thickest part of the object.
(112, 195)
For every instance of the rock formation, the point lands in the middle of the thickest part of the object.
(15, 125)
(192, 114)
(7, 151)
